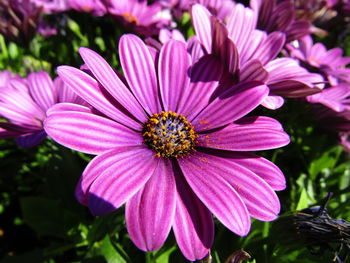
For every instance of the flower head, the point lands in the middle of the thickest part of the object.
(251, 54)
(23, 103)
(174, 153)
(52, 6)
(139, 16)
(331, 63)
(96, 7)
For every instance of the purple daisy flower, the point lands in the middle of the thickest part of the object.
(167, 147)
(23, 102)
(336, 97)
(331, 63)
(95, 7)
(139, 16)
(52, 6)
(250, 54)
(280, 16)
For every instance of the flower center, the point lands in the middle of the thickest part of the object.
(130, 18)
(169, 134)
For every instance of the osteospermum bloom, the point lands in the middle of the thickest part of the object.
(251, 53)
(138, 15)
(280, 16)
(331, 63)
(23, 103)
(173, 152)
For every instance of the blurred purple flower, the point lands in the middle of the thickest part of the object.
(220, 8)
(23, 103)
(250, 54)
(95, 7)
(336, 97)
(52, 6)
(6, 76)
(168, 147)
(317, 58)
(280, 15)
(139, 16)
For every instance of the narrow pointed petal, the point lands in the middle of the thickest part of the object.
(265, 169)
(245, 137)
(205, 179)
(173, 73)
(231, 105)
(22, 102)
(149, 214)
(121, 174)
(112, 83)
(270, 47)
(240, 25)
(139, 70)
(223, 47)
(193, 223)
(42, 89)
(253, 70)
(205, 76)
(202, 25)
(17, 116)
(288, 79)
(88, 133)
(195, 49)
(91, 91)
(259, 198)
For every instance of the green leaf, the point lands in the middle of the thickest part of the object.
(303, 200)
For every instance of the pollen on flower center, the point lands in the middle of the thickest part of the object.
(130, 18)
(169, 134)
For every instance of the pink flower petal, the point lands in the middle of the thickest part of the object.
(120, 175)
(17, 116)
(86, 132)
(22, 102)
(150, 213)
(173, 73)
(202, 25)
(42, 89)
(273, 102)
(240, 25)
(111, 82)
(245, 137)
(193, 224)
(223, 47)
(259, 198)
(270, 47)
(253, 70)
(140, 73)
(265, 169)
(205, 76)
(231, 105)
(91, 91)
(204, 175)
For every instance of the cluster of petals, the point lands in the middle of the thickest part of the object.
(141, 17)
(280, 16)
(24, 102)
(331, 63)
(218, 177)
(249, 53)
(52, 6)
(332, 105)
(220, 8)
